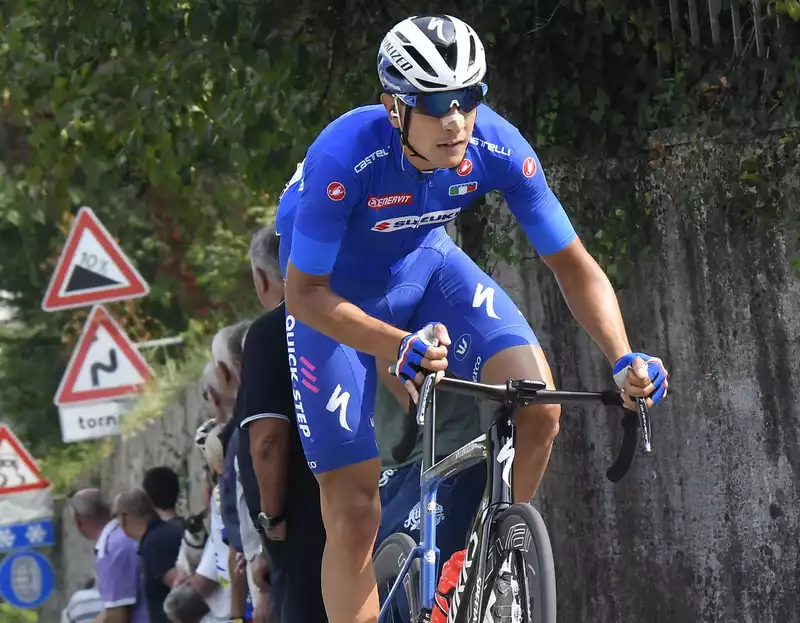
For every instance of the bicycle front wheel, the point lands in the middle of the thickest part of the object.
(388, 562)
(521, 585)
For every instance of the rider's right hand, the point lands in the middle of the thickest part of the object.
(419, 353)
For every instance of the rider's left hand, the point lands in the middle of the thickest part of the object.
(641, 376)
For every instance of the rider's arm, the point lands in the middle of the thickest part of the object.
(330, 192)
(583, 283)
(309, 298)
(591, 298)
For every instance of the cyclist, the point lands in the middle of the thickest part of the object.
(372, 275)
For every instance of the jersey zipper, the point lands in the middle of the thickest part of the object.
(426, 184)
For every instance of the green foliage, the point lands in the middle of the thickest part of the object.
(179, 122)
(9, 614)
(599, 76)
(67, 464)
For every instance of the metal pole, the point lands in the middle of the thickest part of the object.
(165, 341)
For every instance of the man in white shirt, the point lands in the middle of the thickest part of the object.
(211, 578)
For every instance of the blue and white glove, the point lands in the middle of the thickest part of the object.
(412, 351)
(655, 370)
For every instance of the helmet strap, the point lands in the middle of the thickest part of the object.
(404, 129)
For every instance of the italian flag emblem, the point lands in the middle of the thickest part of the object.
(463, 189)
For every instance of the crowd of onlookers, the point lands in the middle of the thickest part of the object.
(255, 552)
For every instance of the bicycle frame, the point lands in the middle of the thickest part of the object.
(496, 448)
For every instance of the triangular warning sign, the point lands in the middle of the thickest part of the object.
(18, 471)
(92, 269)
(105, 364)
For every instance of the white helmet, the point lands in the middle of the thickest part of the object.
(429, 53)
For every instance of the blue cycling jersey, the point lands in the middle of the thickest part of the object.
(361, 206)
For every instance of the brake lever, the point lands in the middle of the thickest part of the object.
(644, 422)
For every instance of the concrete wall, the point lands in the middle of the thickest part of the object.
(706, 528)
(166, 441)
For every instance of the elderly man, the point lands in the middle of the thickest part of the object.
(185, 604)
(240, 534)
(226, 351)
(159, 543)
(286, 501)
(116, 559)
(213, 394)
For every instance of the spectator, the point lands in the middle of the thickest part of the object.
(211, 579)
(223, 405)
(163, 486)
(116, 559)
(84, 606)
(240, 535)
(185, 604)
(159, 543)
(226, 351)
(287, 491)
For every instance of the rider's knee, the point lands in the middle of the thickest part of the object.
(352, 517)
(541, 421)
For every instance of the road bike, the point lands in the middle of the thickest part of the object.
(508, 543)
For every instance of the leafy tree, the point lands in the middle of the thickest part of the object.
(178, 123)
(9, 614)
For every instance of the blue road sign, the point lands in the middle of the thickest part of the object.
(37, 533)
(26, 579)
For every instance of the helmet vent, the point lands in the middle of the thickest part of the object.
(472, 50)
(417, 56)
(431, 85)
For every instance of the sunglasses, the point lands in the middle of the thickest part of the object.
(439, 104)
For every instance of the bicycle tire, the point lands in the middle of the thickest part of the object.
(388, 560)
(520, 530)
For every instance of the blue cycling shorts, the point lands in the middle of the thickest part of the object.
(334, 385)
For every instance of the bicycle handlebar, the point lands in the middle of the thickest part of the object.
(516, 393)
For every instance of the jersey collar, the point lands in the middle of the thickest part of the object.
(402, 163)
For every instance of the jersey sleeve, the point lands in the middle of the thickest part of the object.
(328, 193)
(534, 203)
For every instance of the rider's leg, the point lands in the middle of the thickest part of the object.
(351, 511)
(334, 392)
(537, 425)
(492, 342)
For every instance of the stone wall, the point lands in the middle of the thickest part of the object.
(168, 440)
